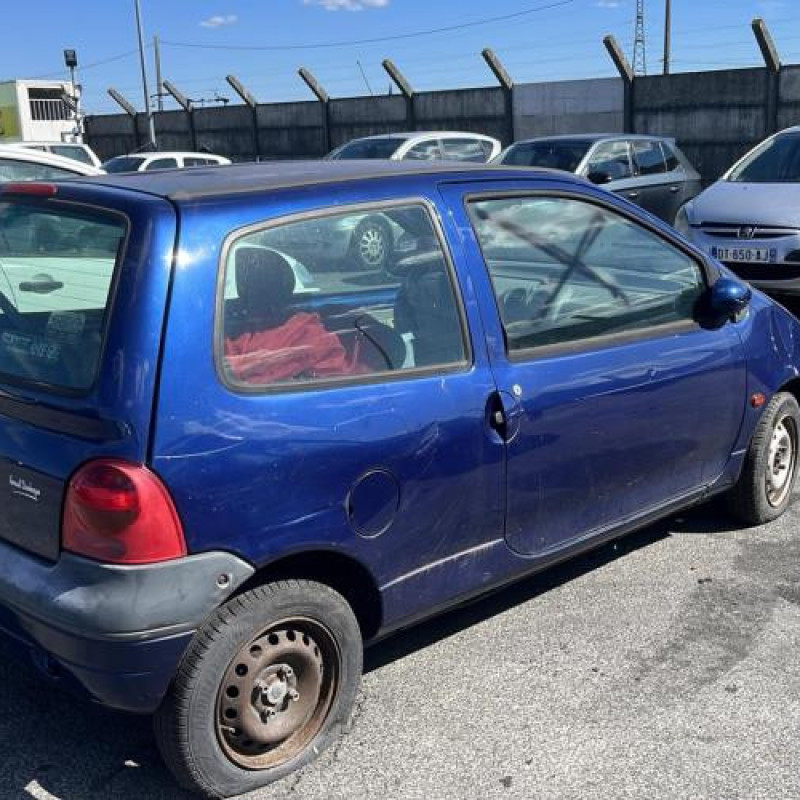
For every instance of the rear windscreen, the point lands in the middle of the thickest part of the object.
(56, 269)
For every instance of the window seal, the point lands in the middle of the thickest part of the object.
(218, 345)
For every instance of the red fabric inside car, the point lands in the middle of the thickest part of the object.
(300, 348)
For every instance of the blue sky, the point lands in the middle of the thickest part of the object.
(555, 42)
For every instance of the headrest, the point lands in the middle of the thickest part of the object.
(265, 281)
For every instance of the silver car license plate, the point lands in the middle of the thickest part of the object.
(753, 255)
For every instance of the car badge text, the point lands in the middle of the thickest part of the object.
(21, 487)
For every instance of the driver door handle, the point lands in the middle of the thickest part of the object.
(674, 189)
(633, 195)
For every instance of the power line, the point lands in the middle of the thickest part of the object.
(396, 37)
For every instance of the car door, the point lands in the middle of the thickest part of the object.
(652, 186)
(618, 401)
(683, 185)
(352, 417)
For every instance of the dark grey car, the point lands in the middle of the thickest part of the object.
(649, 170)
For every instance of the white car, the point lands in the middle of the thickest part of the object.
(23, 164)
(75, 150)
(146, 162)
(421, 146)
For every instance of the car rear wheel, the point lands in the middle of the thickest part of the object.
(765, 487)
(372, 245)
(266, 684)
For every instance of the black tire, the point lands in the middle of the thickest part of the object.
(755, 499)
(372, 244)
(296, 618)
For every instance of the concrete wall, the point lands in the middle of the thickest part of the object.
(715, 117)
(590, 106)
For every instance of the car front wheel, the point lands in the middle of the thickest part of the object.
(766, 485)
(266, 684)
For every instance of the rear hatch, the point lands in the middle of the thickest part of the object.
(84, 274)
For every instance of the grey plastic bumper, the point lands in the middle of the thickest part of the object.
(108, 601)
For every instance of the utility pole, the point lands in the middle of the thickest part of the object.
(159, 83)
(639, 43)
(148, 109)
(667, 34)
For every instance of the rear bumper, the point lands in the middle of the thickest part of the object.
(116, 633)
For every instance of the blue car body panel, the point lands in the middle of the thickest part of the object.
(403, 476)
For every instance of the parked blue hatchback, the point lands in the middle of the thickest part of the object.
(231, 457)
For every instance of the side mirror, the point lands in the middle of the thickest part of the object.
(730, 297)
(599, 177)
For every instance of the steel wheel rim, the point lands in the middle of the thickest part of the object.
(781, 461)
(276, 693)
(372, 246)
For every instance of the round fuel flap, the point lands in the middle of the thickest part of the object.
(372, 503)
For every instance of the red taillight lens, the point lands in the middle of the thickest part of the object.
(120, 513)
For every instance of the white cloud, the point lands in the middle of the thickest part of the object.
(347, 5)
(218, 20)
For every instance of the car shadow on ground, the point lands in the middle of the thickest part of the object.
(55, 745)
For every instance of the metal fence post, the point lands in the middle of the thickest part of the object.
(405, 88)
(130, 111)
(250, 101)
(186, 104)
(504, 79)
(325, 99)
(773, 63)
(626, 73)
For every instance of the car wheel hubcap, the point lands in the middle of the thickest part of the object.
(276, 694)
(371, 247)
(781, 461)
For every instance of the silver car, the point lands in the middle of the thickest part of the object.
(750, 218)
(651, 171)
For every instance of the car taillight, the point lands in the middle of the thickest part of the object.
(120, 513)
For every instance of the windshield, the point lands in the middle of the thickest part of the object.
(56, 269)
(554, 154)
(775, 161)
(123, 164)
(368, 148)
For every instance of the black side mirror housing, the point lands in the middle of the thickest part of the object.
(599, 177)
(730, 297)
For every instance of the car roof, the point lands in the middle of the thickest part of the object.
(44, 143)
(168, 154)
(405, 135)
(251, 178)
(48, 159)
(594, 137)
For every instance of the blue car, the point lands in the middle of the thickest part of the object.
(231, 457)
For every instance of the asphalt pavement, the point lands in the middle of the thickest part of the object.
(663, 667)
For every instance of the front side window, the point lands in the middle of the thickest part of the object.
(13, 170)
(670, 157)
(609, 162)
(564, 270)
(56, 270)
(380, 148)
(299, 307)
(649, 158)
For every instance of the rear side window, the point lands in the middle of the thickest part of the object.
(611, 160)
(162, 163)
(669, 156)
(424, 151)
(56, 269)
(474, 150)
(76, 153)
(649, 158)
(340, 297)
(194, 161)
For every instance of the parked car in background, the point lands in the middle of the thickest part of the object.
(79, 152)
(750, 218)
(23, 164)
(146, 162)
(225, 468)
(421, 146)
(648, 170)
